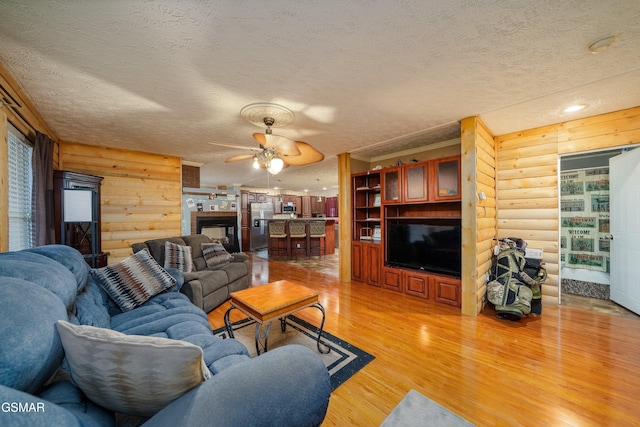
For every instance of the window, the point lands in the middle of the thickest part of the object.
(20, 185)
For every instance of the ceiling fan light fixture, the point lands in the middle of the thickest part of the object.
(275, 166)
(256, 163)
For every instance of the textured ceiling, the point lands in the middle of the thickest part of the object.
(368, 77)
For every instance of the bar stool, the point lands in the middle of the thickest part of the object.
(298, 238)
(317, 236)
(278, 239)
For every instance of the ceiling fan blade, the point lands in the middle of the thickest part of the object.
(282, 145)
(308, 155)
(235, 146)
(239, 157)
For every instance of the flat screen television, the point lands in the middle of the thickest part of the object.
(433, 245)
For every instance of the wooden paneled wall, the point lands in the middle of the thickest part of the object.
(478, 215)
(527, 178)
(141, 194)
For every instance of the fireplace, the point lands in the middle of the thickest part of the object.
(221, 228)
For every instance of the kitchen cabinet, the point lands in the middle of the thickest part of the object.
(306, 206)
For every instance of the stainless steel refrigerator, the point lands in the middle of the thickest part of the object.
(260, 214)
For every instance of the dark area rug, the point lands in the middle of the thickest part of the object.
(342, 361)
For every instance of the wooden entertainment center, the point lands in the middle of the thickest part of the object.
(428, 190)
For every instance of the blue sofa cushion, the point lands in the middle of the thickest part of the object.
(172, 315)
(40, 413)
(66, 395)
(92, 306)
(31, 350)
(68, 257)
(42, 271)
(134, 280)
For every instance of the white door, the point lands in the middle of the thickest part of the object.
(624, 176)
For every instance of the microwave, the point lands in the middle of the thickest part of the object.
(289, 207)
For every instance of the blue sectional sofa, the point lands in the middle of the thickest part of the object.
(45, 287)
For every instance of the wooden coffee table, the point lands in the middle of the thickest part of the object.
(272, 301)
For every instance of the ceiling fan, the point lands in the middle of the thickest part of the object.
(275, 151)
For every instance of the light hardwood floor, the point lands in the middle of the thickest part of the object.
(567, 367)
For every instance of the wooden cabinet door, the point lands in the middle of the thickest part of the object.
(392, 278)
(448, 290)
(392, 185)
(445, 179)
(415, 179)
(371, 264)
(356, 262)
(417, 284)
(306, 206)
(298, 201)
(317, 206)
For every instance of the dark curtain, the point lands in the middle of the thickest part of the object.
(42, 197)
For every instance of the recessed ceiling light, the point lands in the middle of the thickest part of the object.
(602, 44)
(574, 108)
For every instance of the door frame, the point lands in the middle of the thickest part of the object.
(575, 154)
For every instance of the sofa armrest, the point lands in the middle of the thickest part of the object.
(239, 257)
(243, 257)
(285, 386)
(193, 290)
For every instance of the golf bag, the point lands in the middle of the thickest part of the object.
(515, 282)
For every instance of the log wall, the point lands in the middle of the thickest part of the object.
(527, 179)
(478, 216)
(141, 194)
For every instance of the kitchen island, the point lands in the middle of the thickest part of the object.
(277, 246)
